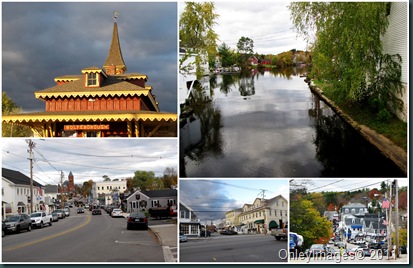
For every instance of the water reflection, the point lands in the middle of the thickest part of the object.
(266, 123)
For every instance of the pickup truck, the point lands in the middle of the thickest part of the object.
(279, 233)
(40, 218)
(162, 212)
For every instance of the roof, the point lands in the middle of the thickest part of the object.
(112, 85)
(185, 205)
(51, 189)
(115, 53)
(160, 193)
(17, 177)
(89, 116)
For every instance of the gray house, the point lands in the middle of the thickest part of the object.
(188, 224)
(144, 200)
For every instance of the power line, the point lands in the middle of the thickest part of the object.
(325, 185)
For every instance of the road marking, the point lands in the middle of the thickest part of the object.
(49, 237)
(137, 243)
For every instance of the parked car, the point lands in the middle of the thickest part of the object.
(116, 212)
(96, 211)
(202, 233)
(55, 216)
(182, 237)
(61, 213)
(17, 223)
(137, 220)
(227, 232)
(40, 219)
(316, 250)
(80, 210)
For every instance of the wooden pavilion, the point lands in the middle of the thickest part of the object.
(99, 103)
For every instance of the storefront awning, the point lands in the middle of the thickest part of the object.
(273, 224)
(259, 221)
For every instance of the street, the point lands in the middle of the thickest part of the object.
(83, 238)
(233, 248)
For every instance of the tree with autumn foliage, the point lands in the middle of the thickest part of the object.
(307, 221)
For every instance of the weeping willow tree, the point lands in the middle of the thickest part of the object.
(197, 36)
(347, 51)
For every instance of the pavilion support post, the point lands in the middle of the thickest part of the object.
(129, 126)
(137, 128)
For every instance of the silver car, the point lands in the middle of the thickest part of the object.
(17, 223)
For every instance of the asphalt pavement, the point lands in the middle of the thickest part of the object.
(166, 233)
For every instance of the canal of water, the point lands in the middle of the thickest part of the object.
(269, 124)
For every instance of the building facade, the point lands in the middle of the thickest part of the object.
(99, 102)
(15, 193)
(395, 42)
(108, 192)
(263, 215)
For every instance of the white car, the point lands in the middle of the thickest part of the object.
(116, 212)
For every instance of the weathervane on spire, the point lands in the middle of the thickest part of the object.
(115, 15)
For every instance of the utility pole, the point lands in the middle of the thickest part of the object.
(31, 146)
(389, 243)
(62, 203)
(396, 204)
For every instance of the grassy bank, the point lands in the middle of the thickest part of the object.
(394, 129)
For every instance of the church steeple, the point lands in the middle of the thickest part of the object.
(114, 63)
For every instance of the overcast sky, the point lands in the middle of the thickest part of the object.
(211, 198)
(339, 185)
(268, 24)
(45, 40)
(90, 158)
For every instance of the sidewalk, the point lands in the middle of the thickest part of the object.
(167, 236)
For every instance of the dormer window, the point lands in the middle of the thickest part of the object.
(93, 76)
(92, 79)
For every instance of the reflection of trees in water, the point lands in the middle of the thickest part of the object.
(289, 72)
(211, 124)
(341, 150)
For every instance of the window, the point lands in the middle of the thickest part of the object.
(194, 229)
(155, 203)
(98, 188)
(184, 229)
(91, 79)
(183, 214)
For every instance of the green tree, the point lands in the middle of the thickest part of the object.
(170, 178)
(307, 221)
(245, 48)
(86, 187)
(245, 45)
(106, 178)
(146, 180)
(227, 55)
(9, 107)
(348, 51)
(196, 34)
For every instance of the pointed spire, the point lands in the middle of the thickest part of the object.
(114, 63)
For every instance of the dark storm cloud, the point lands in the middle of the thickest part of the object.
(44, 40)
(208, 200)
